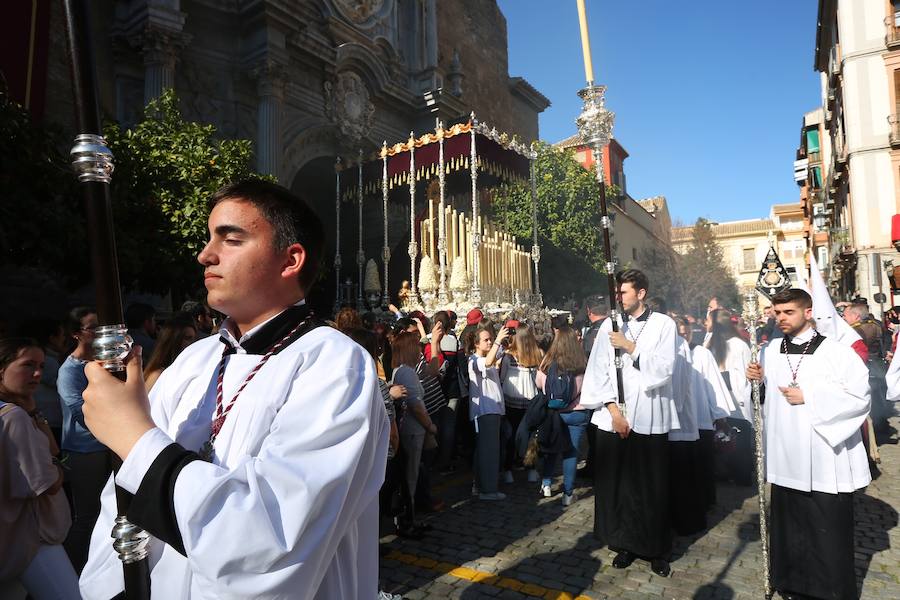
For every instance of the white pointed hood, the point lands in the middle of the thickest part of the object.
(828, 322)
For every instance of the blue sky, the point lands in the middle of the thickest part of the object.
(708, 96)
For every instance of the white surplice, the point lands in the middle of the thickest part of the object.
(817, 445)
(736, 362)
(289, 507)
(649, 400)
(892, 378)
(713, 398)
(688, 428)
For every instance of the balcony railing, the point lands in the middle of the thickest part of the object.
(892, 34)
(894, 136)
(814, 157)
(840, 149)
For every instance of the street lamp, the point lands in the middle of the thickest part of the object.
(820, 216)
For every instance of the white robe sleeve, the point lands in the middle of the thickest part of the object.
(721, 403)
(839, 401)
(682, 374)
(736, 365)
(893, 380)
(657, 364)
(598, 387)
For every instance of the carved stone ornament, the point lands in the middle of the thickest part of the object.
(348, 105)
(363, 12)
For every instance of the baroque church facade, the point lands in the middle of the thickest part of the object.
(307, 81)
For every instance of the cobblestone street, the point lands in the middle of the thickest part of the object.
(531, 547)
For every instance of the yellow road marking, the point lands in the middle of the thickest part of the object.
(483, 577)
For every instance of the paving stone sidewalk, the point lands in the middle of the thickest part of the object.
(531, 547)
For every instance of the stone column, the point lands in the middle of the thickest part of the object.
(160, 51)
(270, 89)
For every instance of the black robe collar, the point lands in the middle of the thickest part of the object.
(644, 315)
(272, 332)
(788, 348)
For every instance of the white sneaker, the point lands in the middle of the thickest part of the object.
(533, 476)
(546, 491)
(508, 477)
(567, 499)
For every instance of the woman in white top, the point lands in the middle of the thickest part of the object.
(733, 355)
(518, 369)
(486, 408)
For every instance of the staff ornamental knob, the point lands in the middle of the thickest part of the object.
(91, 159)
(595, 123)
(111, 345)
(751, 312)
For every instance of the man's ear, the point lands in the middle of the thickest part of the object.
(295, 258)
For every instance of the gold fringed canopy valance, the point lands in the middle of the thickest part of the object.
(497, 154)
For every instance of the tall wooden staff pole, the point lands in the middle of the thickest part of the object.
(93, 164)
(751, 314)
(595, 125)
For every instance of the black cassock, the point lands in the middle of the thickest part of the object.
(801, 521)
(631, 493)
(688, 494)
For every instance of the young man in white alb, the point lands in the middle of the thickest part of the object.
(257, 460)
(816, 398)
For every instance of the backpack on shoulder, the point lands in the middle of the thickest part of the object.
(558, 388)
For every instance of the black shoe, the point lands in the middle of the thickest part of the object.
(661, 567)
(623, 559)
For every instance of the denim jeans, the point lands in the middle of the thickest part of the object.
(576, 421)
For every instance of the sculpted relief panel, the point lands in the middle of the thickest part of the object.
(348, 104)
(363, 13)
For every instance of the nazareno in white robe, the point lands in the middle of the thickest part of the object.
(817, 445)
(650, 403)
(289, 507)
(736, 362)
(713, 398)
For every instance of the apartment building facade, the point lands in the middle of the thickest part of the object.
(858, 56)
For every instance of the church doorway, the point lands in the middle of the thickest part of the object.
(314, 183)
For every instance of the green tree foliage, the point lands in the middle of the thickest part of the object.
(166, 170)
(41, 222)
(702, 272)
(568, 222)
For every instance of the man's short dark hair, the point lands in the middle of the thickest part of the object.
(636, 278)
(73, 319)
(598, 306)
(137, 314)
(801, 297)
(292, 219)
